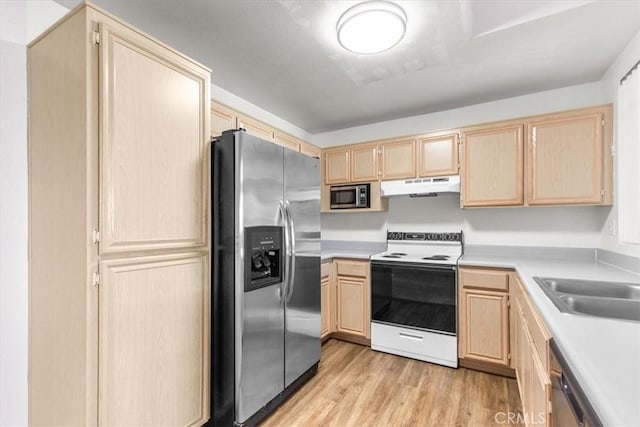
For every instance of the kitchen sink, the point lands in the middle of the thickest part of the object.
(615, 308)
(591, 288)
(614, 300)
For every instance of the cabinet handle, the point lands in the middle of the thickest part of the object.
(413, 337)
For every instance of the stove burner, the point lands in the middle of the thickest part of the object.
(437, 257)
(391, 256)
(398, 253)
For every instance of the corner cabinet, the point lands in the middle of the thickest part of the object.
(566, 162)
(119, 300)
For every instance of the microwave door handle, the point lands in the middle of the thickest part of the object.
(292, 259)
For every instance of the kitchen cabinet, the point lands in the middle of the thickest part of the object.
(327, 298)
(118, 178)
(255, 127)
(565, 159)
(484, 316)
(337, 166)
(398, 159)
(532, 363)
(438, 154)
(364, 163)
(346, 308)
(222, 118)
(492, 166)
(310, 150)
(287, 141)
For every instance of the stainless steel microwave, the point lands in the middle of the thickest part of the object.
(350, 196)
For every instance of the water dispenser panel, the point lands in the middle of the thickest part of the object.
(263, 257)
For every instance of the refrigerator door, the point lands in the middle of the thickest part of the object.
(259, 314)
(302, 307)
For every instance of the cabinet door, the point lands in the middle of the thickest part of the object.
(154, 341)
(565, 160)
(222, 118)
(336, 166)
(540, 392)
(364, 163)
(399, 159)
(310, 150)
(256, 127)
(485, 326)
(153, 180)
(438, 155)
(492, 167)
(326, 312)
(352, 305)
(287, 141)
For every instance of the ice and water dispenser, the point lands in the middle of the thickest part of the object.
(263, 254)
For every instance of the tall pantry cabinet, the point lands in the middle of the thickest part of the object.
(119, 302)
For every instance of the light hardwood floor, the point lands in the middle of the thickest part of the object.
(356, 386)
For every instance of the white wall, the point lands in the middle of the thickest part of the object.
(609, 86)
(539, 226)
(20, 22)
(537, 103)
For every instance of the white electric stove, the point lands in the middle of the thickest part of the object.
(414, 298)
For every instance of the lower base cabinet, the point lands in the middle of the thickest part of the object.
(346, 308)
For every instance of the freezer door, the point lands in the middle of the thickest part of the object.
(302, 308)
(259, 313)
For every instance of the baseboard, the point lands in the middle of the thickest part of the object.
(490, 368)
(343, 336)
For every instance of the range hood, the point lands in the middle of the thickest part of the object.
(421, 187)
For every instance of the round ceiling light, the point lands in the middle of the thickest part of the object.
(371, 27)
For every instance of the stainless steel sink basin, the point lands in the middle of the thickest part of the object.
(591, 288)
(615, 308)
(614, 300)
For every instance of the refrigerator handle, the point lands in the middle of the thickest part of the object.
(282, 213)
(292, 246)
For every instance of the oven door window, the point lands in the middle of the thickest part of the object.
(414, 295)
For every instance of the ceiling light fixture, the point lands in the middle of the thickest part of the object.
(371, 27)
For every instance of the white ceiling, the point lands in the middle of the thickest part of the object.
(283, 55)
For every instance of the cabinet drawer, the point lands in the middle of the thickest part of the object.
(352, 268)
(540, 336)
(325, 269)
(485, 279)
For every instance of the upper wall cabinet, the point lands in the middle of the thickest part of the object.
(565, 159)
(287, 140)
(310, 150)
(364, 162)
(398, 159)
(256, 127)
(492, 167)
(222, 118)
(337, 168)
(438, 154)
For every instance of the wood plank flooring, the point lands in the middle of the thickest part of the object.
(356, 386)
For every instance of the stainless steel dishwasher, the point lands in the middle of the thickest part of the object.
(570, 406)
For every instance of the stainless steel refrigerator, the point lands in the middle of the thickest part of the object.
(266, 276)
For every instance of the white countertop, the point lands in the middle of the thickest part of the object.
(347, 253)
(603, 354)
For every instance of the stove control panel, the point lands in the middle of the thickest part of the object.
(426, 237)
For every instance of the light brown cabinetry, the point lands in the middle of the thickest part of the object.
(565, 159)
(364, 163)
(222, 118)
(310, 150)
(118, 214)
(532, 362)
(398, 159)
(438, 154)
(327, 298)
(492, 167)
(288, 141)
(484, 315)
(337, 166)
(346, 315)
(255, 127)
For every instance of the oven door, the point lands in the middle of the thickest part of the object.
(420, 296)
